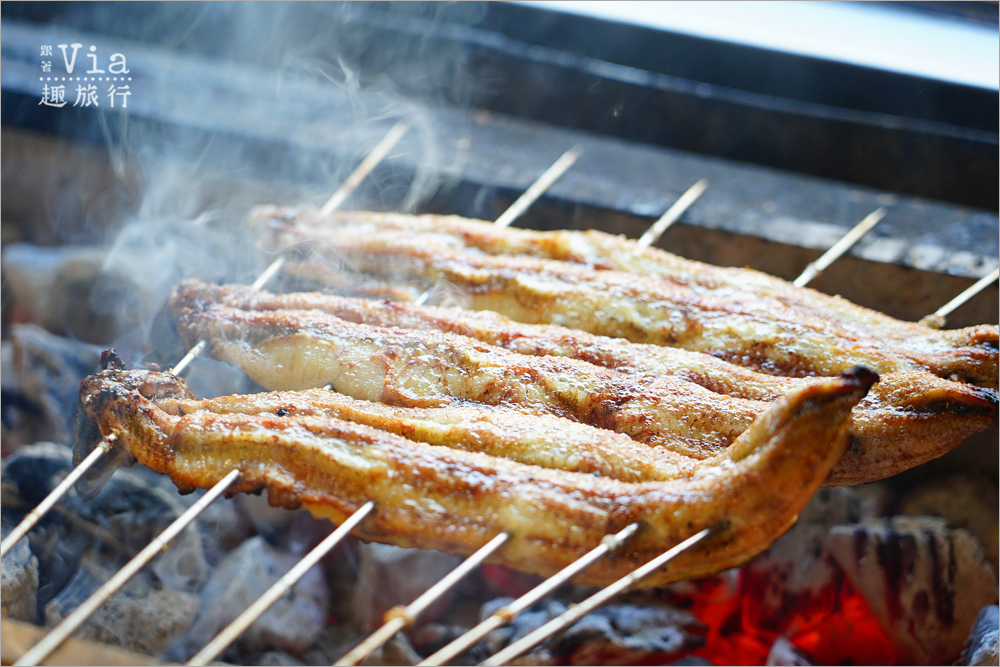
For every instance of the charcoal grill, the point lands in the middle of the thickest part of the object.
(934, 242)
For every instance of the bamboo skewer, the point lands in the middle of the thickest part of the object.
(33, 517)
(249, 615)
(403, 617)
(366, 167)
(79, 615)
(673, 214)
(936, 319)
(502, 617)
(280, 587)
(538, 188)
(840, 247)
(75, 619)
(400, 618)
(530, 196)
(332, 204)
(578, 611)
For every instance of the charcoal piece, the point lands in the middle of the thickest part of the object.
(134, 507)
(139, 617)
(335, 640)
(32, 472)
(19, 581)
(52, 286)
(983, 645)
(396, 651)
(522, 625)
(292, 624)
(41, 384)
(964, 501)
(924, 581)
(432, 637)
(276, 659)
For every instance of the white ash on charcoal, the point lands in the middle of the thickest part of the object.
(41, 384)
(292, 624)
(983, 645)
(964, 501)
(141, 616)
(389, 576)
(19, 581)
(133, 507)
(924, 580)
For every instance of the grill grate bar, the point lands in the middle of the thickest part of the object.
(69, 624)
(578, 611)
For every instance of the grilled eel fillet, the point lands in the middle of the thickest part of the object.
(609, 252)
(300, 349)
(747, 329)
(453, 500)
(908, 417)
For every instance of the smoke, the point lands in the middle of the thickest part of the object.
(238, 104)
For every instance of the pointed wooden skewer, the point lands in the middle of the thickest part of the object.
(936, 320)
(33, 517)
(530, 196)
(280, 587)
(840, 247)
(79, 615)
(578, 611)
(366, 167)
(673, 214)
(538, 188)
(502, 617)
(403, 617)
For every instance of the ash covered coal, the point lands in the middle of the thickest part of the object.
(20, 581)
(207, 575)
(41, 384)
